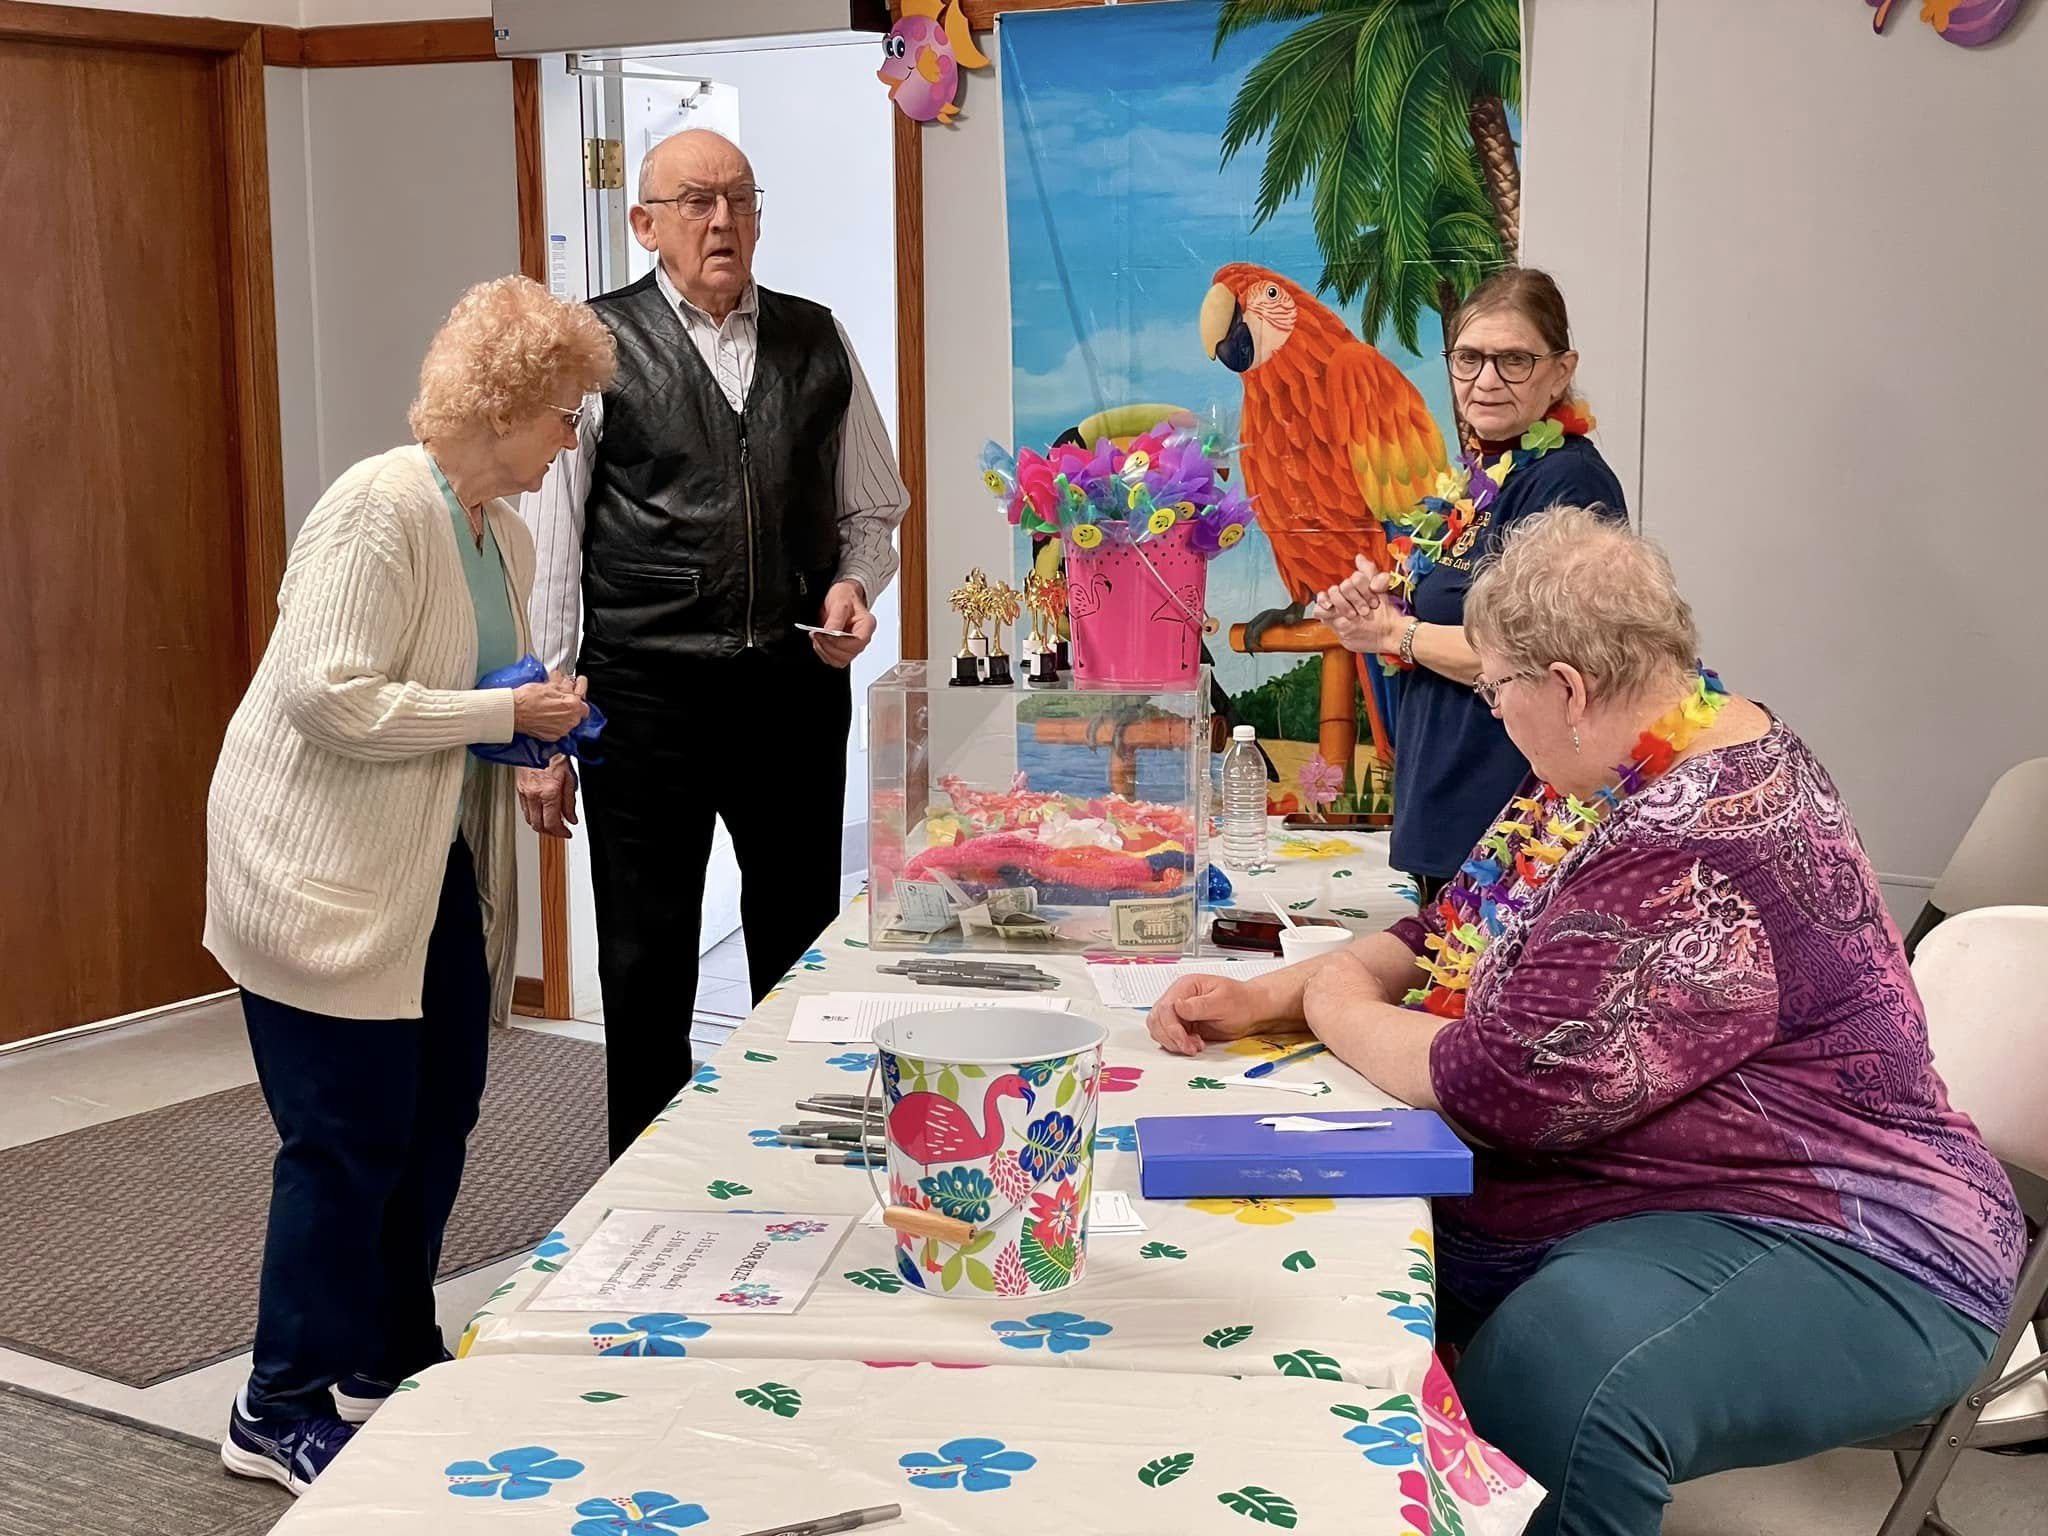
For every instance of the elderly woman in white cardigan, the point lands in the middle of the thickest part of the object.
(360, 865)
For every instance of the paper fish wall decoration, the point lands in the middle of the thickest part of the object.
(923, 56)
(1968, 23)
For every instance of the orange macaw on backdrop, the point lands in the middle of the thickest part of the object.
(1334, 437)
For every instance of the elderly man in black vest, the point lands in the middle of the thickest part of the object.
(733, 482)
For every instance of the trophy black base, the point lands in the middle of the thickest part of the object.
(966, 672)
(998, 671)
(1064, 662)
(1045, 668)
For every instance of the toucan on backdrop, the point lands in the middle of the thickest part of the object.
(1261, 212)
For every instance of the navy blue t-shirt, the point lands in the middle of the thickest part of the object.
(1454, 767)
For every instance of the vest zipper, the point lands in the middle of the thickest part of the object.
(747, 495)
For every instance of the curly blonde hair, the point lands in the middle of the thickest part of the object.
(1568, 585)
(506, 346)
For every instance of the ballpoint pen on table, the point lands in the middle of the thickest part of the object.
(1302, 1053)
(838, 1130)
(852, 1520)
(856, 1100)
(837, 1111)
(828, 1144)
(853, 1159)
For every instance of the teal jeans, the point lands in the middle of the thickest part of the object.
(1650, 1350)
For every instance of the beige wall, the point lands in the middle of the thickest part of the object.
(1844, 343)
(967, 343)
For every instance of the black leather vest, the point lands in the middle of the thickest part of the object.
(707, 530)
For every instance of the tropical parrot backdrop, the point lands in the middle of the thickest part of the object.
(1262, 211)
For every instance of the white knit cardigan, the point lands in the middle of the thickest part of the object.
(337, 792)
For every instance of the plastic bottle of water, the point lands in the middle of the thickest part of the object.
(1244, 801)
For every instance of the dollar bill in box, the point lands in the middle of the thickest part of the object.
(1143, 924)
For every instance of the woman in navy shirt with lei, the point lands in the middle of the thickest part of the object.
(1511, 364)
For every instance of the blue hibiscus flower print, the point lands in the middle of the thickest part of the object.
(654, 1513)
(814, 959)
(702, 1079)
(1036, 1073)
(1417, 1317)
(1058, 1333)
(1116, 1138)
(962, 1193)
(978, 1466)
(767, 1136)
(1049, 1147)
(526, 1472)
(852, 1061)
(553, 1246)
(655, 1333)
(1396, 1441)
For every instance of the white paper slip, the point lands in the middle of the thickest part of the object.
(1309, 1087)
(1140, 986)
(1311, 1123)
(694, 1261)
(849, 1018)
(1110, 1212)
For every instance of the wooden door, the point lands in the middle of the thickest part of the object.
(136, 557)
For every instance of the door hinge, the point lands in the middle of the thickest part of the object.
(604, 164)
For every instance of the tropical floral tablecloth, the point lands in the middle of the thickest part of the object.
(554, 1447)
(1312, 1288)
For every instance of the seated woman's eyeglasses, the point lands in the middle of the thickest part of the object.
(702, 202)
(1467, 363)
(573, 418)
(1489, 689)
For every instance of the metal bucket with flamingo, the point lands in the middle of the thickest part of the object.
(990, 1123)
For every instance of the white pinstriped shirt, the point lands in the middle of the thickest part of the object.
(872, 499)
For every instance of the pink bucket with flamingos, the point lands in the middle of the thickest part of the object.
(1135, 609)
(990, 1123)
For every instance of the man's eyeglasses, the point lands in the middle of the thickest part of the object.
(702, 202)
(1467, 363)
(1489, 689)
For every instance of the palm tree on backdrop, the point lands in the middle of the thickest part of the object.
(1397, 112)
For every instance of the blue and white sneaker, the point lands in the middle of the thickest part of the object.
(288, 1451)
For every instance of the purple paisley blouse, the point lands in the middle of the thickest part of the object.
(1708, 1008)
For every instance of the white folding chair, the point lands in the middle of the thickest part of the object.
(1983, 975)
(2002, 859)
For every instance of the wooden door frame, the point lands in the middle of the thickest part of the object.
(236, 51)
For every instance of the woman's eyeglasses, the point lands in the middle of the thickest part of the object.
(1489, 689)
(1467, 363)
(573, 418)
(699, 203)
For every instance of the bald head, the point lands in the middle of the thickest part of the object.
(698, 211)
(697, 156)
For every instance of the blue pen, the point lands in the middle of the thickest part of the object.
(1267, 1068)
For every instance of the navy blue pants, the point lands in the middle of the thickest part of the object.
(372, 1116)
(1655, 1349)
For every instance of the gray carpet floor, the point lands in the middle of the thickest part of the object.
(66, 1471)
(136, 1244)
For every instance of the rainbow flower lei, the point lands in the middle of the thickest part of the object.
(1525, 846)
(1418, 541)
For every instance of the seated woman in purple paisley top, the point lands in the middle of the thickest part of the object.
(1722, 1213)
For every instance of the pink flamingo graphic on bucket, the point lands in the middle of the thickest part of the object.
(932, 1129)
